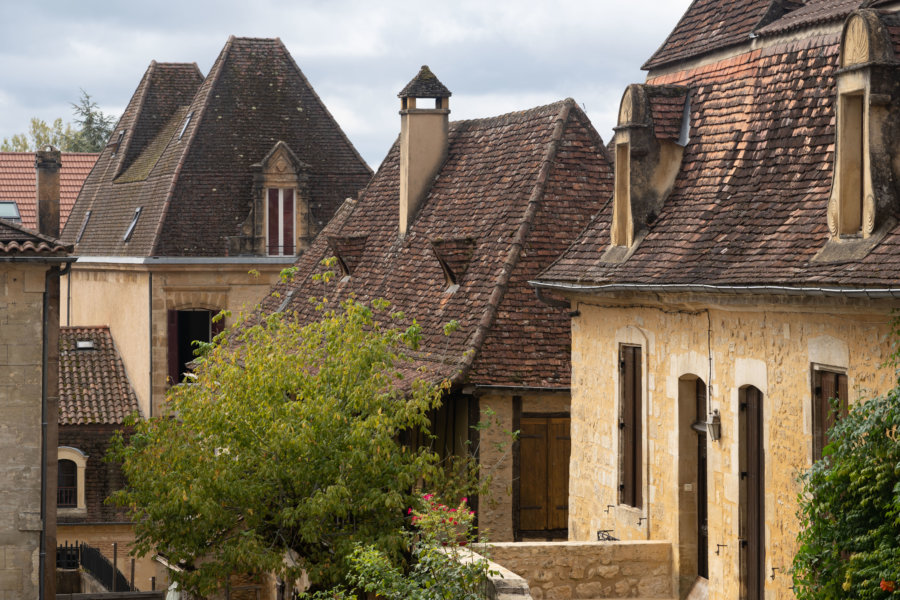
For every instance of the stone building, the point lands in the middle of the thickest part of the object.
(204, 180)
(742, 273)
(30, 265)
(456, 220)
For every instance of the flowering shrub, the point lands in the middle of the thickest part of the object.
(442, 568)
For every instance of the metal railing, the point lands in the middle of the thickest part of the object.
(94, 562)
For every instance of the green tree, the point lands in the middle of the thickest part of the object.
(95, 128)
(284, 453)
(850, 508)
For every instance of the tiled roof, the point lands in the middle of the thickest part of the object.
(188, 146)
(93, 386)
(17, 182)
(814, 12)
(15, 239)
(667, 110)
(710, 25)
(513, 192)
(424, 85)
(749, 202)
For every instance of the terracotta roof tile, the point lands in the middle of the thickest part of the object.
(93, 385)
(188, 147)
(16, 239)
(749, 202)
(17, 182)
(513, 191)
(814, 12)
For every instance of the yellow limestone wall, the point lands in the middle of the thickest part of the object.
(729, 343)
(120, 296)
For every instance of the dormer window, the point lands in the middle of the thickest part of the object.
(851, 157)
(187, 121)
(133, 224)
(118, 143)
(454, 256)
(280, 218)
(84, 224)
(621, 234)
(348, 250)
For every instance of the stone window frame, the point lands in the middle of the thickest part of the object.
(80, 459)
(281, 247)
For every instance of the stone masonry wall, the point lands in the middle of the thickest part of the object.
(590, 570)
(728, 343)
(21, 316)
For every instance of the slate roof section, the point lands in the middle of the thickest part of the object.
(93, 385)
(710, 25)
(187, 150)
(520, 186)
(749, 203)
(18, 182)
(16, 240)
(814, 12)
(425, 85)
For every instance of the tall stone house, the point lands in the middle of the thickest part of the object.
(30, 266)
(204, 180)
(743, 271)
(458, 218)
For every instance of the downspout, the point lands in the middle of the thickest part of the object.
(150, 341)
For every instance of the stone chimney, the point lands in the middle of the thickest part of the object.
(47, 164)
(423, 141)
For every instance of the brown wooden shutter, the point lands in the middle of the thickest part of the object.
(288, 215)
(533, 501)
(560, 444)
(632, 456)
(827, 385)
(172, 345)
(272, 217)
(754, 543)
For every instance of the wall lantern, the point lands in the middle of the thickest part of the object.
(714, 425)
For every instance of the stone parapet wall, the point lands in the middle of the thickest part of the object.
(590, 570)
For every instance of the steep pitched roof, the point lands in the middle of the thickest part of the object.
(17, 240)
(17, 182)
(424, 85)
(512, 193)
(187, 148)
(93, 385)
(749, 204)
(710, 25)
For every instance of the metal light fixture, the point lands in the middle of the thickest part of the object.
(714, 425)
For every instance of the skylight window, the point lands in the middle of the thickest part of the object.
(187, 121)
(134, 220)
(10, 212)
(118, 142)
(84, 224)
(84, 344)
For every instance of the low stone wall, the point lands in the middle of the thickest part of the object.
(590, 570)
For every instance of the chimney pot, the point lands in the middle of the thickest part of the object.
(47, 163)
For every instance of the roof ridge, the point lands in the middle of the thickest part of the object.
(515, 249)
(516, 113)
(213, 77)
(327, 112)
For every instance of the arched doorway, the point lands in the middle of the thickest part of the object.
(693, 545)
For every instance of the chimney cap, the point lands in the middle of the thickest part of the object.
(425, 85)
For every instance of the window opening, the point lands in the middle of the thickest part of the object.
(631, 444)
(280, 217)
(187, 121)
(851, 163)
(84, 224)
(67, 484)
(826, 385)
(118, 142)
(185, 327)
(623, 180)
(10, 212)
(132, 225)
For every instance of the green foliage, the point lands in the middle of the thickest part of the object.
(284, 455)
(850, 508)
(95, 127)
(442, 568)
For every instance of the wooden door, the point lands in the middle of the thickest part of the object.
(544, 448)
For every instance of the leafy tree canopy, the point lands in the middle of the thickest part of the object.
(850, 508)
(285, 452)
(95, 128)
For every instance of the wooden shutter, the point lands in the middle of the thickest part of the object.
(287, 212)
(827, 385)
(630, 425)
(560, 444)
(272, 216)
(754, 545)
(533, 501)
(172, 345)
(702, 486)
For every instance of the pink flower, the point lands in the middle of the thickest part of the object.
(452, 510)
(464, 499)
(409, 511)
(428, 496)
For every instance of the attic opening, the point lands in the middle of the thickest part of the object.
(348, 251)
(84, 344)
(132, 225)
(187, 121)
(118, 143)
(851, 163)
(454, 256)
(84, 224)
(622, 200)
(10, 212)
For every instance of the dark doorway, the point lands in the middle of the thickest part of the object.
(753, 475)
(185, 327)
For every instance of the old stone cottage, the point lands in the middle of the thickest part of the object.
(456, 220)
(743, 272)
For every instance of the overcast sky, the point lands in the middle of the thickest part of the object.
(494, 55)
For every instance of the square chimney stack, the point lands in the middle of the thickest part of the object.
(47, 163)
